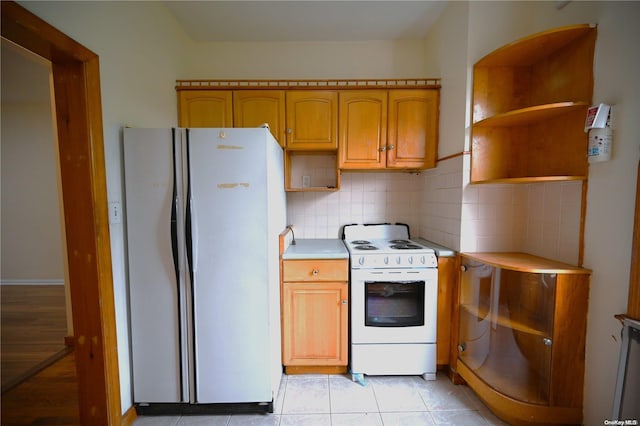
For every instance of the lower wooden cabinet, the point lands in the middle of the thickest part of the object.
(521, 335)
(315, 314)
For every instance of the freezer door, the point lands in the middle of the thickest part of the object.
(153, 283)
(229, 218)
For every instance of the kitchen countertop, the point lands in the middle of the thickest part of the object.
(316, 249)
(441, 251)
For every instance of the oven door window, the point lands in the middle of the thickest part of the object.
(394, 304)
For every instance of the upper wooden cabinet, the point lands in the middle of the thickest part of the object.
(388, 129)
(530, 100)
(363, 129)
(362, 124)
(312, 120)
(412, 140)
(252, 108)
(205, 108)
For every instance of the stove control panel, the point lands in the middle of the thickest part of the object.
(415, 260)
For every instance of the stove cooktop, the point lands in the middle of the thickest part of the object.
(381, 238)
(386, 246)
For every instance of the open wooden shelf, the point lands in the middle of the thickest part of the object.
(531, 115)
(530, 100)
(534, 48)
(504, 321)
(320, 166)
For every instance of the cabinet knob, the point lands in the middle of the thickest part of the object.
(462, 347)
(547, 341)
(344, 302)
(383, 148)
(315, 272)
(391, 147)
(289, 130)
(463, 268)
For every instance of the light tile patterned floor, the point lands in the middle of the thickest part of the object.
(335, 400)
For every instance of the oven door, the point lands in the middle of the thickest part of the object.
(394, 305)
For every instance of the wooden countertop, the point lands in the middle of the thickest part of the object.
(526, 263)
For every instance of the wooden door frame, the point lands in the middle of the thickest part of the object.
(78, 123)
(633, 303)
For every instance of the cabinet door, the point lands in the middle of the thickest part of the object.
(413, 129)
(315, 323)
(252, 108)
(312, 120)
(205, 108)
(505, 329)
(363, 129)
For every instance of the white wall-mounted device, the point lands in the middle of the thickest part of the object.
(598, 125)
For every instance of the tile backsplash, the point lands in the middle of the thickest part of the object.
(363, 198)
(438, 204)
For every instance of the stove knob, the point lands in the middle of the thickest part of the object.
(410, 260)
(386, 260)
(398, 260)
(422, 260)
(361, 260)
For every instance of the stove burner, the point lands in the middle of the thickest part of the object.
(405, 246)
(400, 242)
(360, 242)
(366, 247)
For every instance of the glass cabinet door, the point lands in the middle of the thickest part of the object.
(506, 320)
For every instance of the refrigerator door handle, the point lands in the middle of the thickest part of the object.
(194, 236)
(175, 207)
(189, 234)
(174, 216)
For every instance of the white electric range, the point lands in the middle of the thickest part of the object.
(394, 291)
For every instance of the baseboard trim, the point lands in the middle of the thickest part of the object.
(129, 416)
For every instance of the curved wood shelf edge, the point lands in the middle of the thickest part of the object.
(518, 412)
(527, 179)
(530, 49)
(524, 262)
(530, 115)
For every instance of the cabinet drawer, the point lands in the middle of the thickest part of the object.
(316, 270)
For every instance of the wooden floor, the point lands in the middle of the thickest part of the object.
(33, 328)
(48, 398)
(39, 382)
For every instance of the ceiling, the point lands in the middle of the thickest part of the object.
(284, 21)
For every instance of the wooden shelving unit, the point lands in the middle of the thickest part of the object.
(529, 104)
(522, 326)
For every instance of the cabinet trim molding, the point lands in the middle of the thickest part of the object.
(335, 84)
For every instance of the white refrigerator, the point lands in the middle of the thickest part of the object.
(204, 208)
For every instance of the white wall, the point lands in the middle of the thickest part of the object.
(307, 60)
(31, 238)
(446, 57)
(611, 186)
